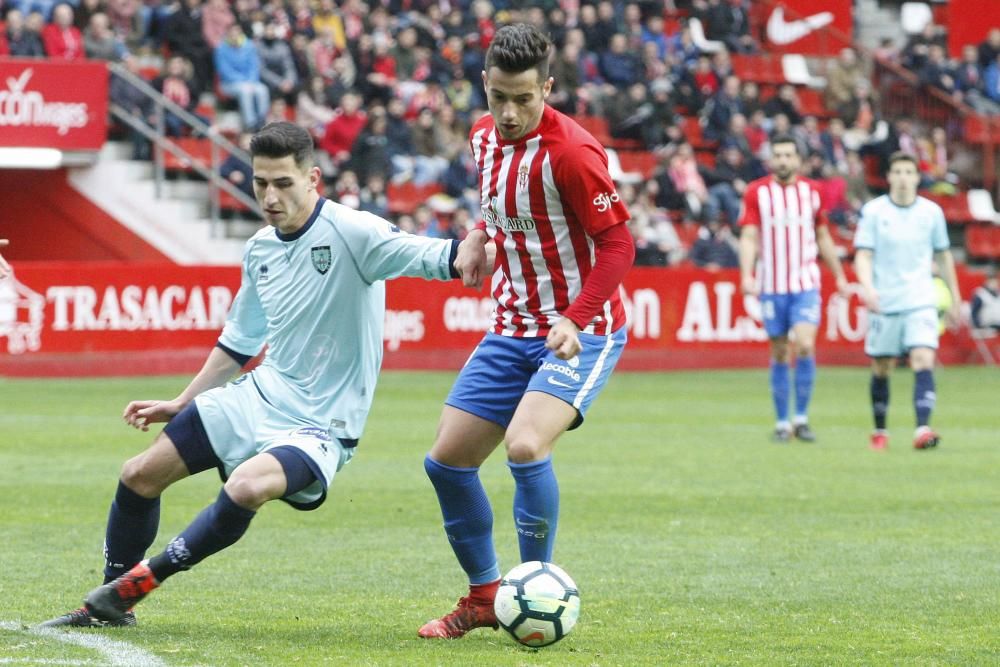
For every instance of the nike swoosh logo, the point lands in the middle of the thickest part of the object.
(527, 523)
(557, 383)
(782, 32)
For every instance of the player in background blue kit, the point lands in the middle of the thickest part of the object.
(898, 237)
(313, 290)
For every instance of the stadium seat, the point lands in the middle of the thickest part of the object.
(913, 16)
(704, 44)
(641, 162)
(405, 197)
(955, 207)
(981, 129)
(981, 208)
(693, 133)
(795, 69)
(982, 241)
(812, 104)
(618, 173)
(762, 69)
(597, 126)
(199, 149)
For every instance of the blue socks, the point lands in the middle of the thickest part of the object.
(880, 400)
(779, 389)
(218, 526)
(536, 508)
(468, 519)
(805, 377)
(132, 524)
(923, 396)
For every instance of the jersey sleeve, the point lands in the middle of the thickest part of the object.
(246, 326)
(750, 210)
(939, 231)
(585, 186)
(864, 236)
(382, 251)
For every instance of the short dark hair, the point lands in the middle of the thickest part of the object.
(786, 139)
(519, 47)
(281, 139)
(900, 156)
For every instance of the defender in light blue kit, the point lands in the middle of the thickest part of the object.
(898, 238)
(312, 289)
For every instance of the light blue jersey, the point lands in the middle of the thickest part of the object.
(316, 297)
(903, 240)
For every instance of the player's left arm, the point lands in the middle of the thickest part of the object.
(946, 265)
(828, 251)
(4, 266)
(589, 192)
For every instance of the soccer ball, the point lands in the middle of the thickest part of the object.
(537, 603)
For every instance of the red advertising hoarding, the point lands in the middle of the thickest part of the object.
(53, 104)
(129, 319)
(810, 27)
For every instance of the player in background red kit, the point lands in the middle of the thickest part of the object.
(563, 247)
(783, 223)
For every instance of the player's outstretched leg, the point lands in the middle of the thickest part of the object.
(468, 521)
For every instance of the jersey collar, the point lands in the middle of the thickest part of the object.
(297, 234)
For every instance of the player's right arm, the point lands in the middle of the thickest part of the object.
(749, 243)
(218, 368)
(4, 266)
(241, 338)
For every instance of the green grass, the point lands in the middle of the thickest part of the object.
(693, 539)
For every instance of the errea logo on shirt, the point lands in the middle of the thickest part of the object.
(604, 200)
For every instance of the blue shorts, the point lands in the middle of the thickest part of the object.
(892, 334)
(502, 368)
(781, 312)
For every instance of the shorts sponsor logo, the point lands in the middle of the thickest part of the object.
(562, 370)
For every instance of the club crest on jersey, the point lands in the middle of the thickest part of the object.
(522, 177)
(321, 258)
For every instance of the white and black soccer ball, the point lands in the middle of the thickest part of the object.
(537, 603)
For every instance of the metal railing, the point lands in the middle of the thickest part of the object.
(162, 144)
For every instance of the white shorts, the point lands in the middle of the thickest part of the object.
(890, 335)
(240, 424)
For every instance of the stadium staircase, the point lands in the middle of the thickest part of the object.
(177, 201)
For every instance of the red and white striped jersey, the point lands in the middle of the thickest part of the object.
(787, 216)
(543, 197)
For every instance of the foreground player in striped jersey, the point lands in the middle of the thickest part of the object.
(783, 223)
(559, 327)
(898, 237)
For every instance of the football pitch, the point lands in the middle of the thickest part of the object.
(692, 538)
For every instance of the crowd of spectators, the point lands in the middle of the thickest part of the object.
(389, 89)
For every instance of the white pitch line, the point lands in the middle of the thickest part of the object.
(115, 652)
(44, 661)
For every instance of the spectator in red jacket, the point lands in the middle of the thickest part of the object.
(61, 38)
(343, 130)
